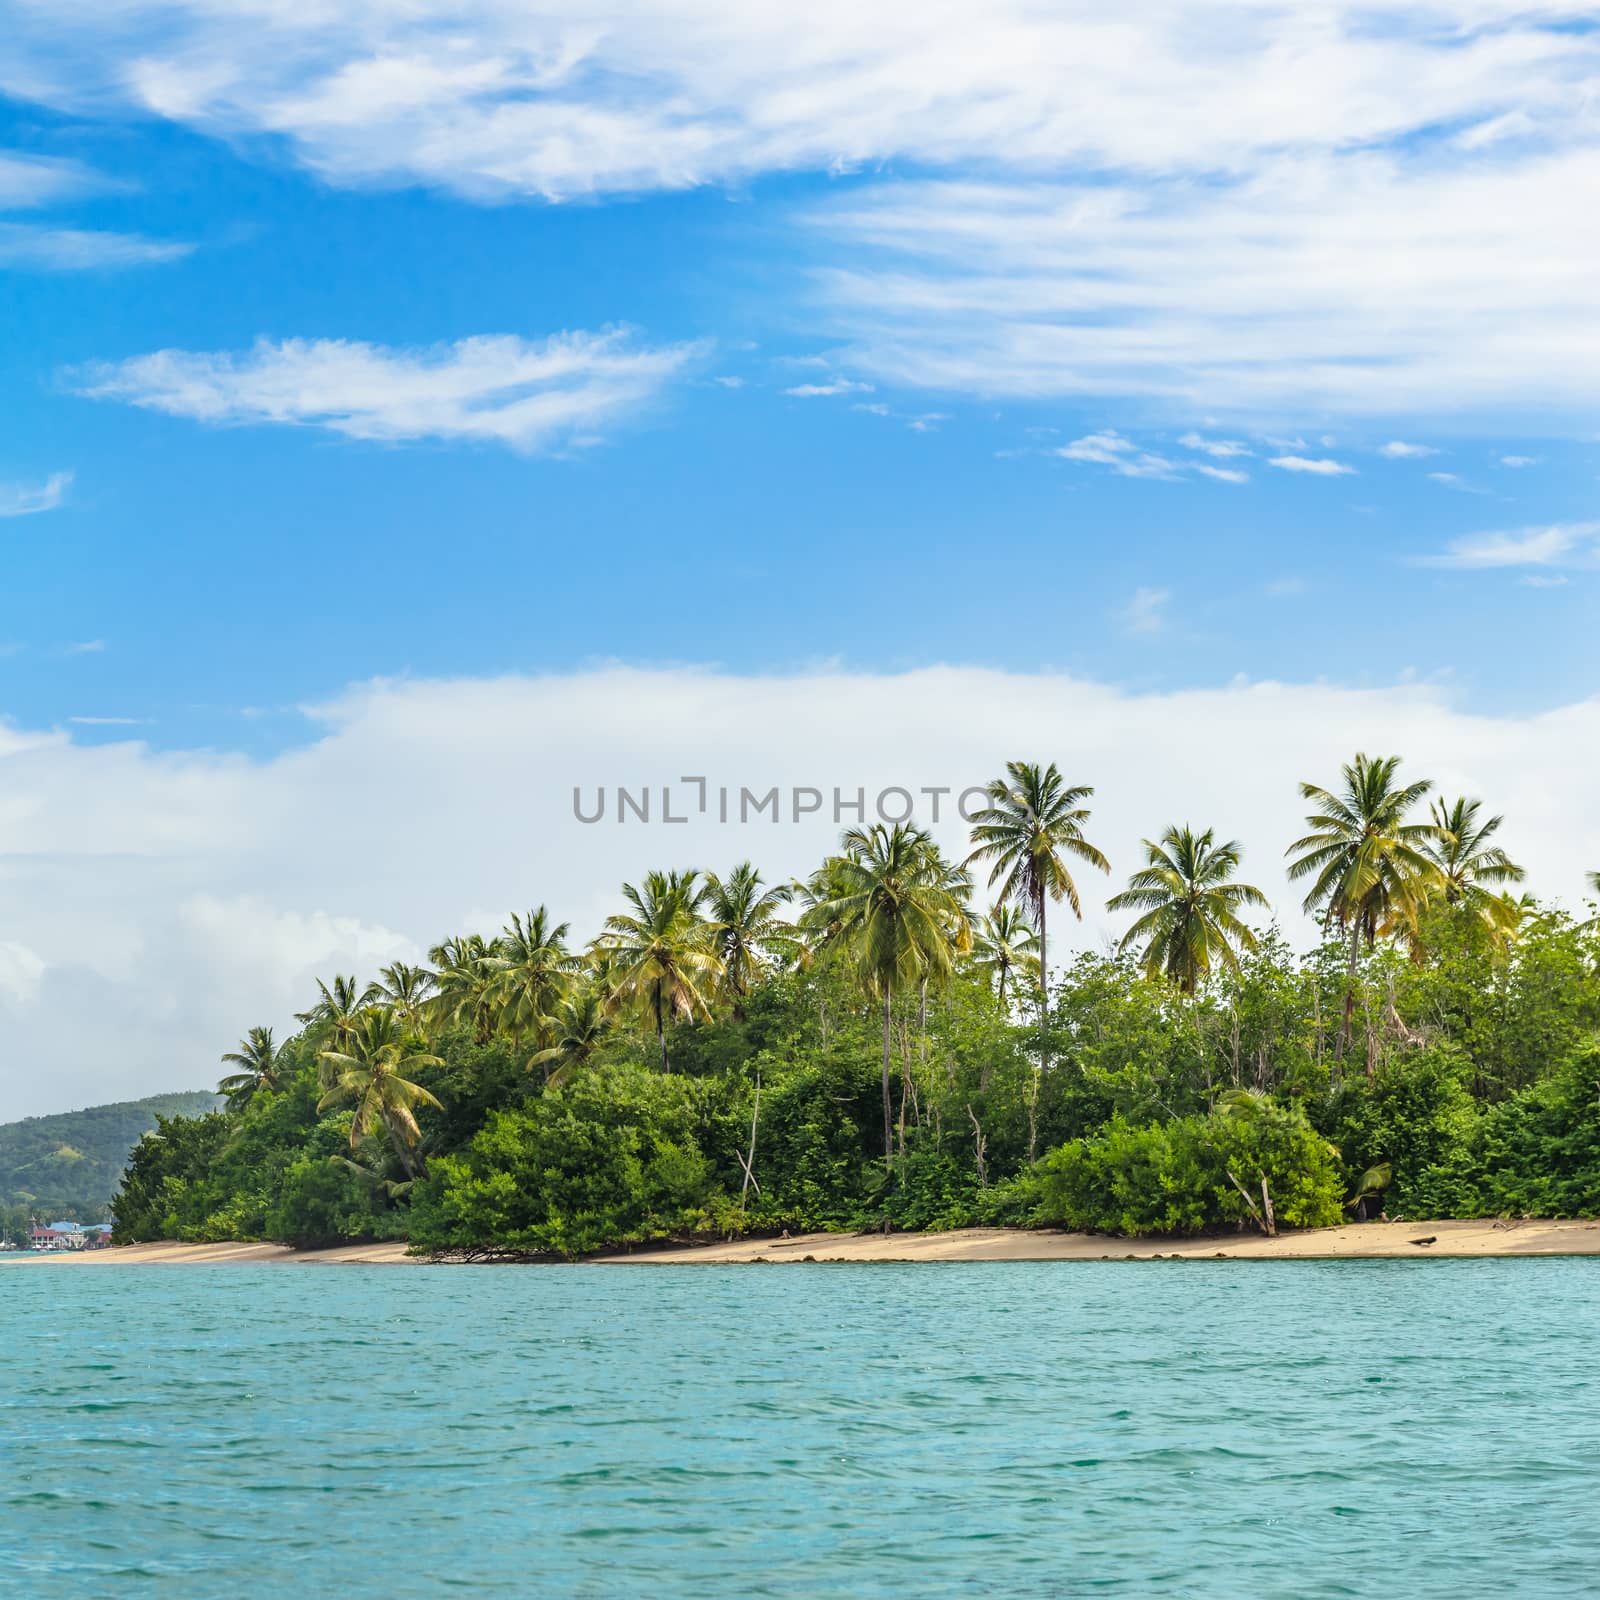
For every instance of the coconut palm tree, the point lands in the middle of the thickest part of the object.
(581, 1025)
(1467, 862)
(533, 968)
(1190, 907)
(338, 1007)
(373, 1072)
(259, 1062)
(661, 955)
(1032, 824)
(746, 930)
(1005, 942)
(1369, 867)
(466, 984)
(405, 990)
(896, 911)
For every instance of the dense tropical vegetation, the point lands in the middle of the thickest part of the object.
(67, 1166)
(875, 1047)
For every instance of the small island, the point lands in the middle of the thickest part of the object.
(884, 1049)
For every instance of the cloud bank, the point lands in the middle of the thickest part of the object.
(158, 903)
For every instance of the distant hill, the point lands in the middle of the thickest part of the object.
(69, 1165)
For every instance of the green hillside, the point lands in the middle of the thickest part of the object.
(69, 1165)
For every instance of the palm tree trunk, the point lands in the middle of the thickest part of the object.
(661, 1033)
(888, 1115)
(1004, 971)
(1347, 1025)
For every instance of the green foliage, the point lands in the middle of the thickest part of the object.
(884, 1060)
(612, 1157)
(1174, 1177)
(67, 1166)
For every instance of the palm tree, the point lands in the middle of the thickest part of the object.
(405, 990)
(1031, 824)
(258, 1061)
(581, 1026)
(1190, 906)
(465, 985)
(895, 909)
(1462, 852)
(746, 930)
(533, 968)
(373, 1071)
(1368, 865)
(338, 1007)
(1005, 942)
(661, 955)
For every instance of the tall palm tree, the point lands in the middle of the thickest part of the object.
(373, 1072)
(1190, 906)
(1005, 942)
(405, 990)
(1032, 823)
(895, 910)
(661, 954)
(746, 929)
(1369, 867)
(533, 968)
(259, 1062)
(465, 985)
(1462, 852)
(581, 1026)
(338, 1007)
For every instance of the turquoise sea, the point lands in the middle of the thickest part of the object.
(1041, 1429)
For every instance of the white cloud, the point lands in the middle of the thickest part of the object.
(1450, 480)
(1319, 466)
(1260, 206)
(1539, 580)
(219, 886)
(812, 391)
(1399, 450)
(1222, 474)
(81, 250)
(729, 382)
(1147, 611)
(24, 500)
(1356, 282)
(86, 647)
(1221, 448)
(30, 180)
(1519, 461)
(1108, 448)
(1552, 545)
(571, 98)
(497, 388)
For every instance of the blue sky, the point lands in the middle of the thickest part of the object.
(412, 413)
(227, 573)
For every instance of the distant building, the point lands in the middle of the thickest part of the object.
(58, 1236)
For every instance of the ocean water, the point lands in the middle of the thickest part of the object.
(1040, 1429)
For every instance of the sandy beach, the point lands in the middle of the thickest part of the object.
(1364, 1241)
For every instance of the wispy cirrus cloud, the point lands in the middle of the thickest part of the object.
(25, 500)
(1316, 466)
(579, 97)
(528, 395)
(1146, 613)
(814, 391)
(29, 182)
(1401, 450)
(1347, 283)
(51, 249)
(1555, 544)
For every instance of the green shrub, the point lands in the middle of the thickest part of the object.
(1173, 1177)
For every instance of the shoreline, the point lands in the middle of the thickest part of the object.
(1366, 1241)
